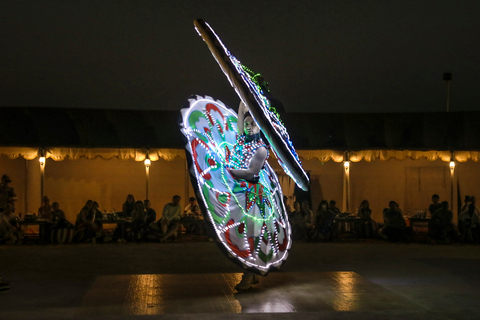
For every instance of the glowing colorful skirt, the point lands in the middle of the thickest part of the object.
(249, 219)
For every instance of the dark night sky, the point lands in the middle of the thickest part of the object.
(318, 55)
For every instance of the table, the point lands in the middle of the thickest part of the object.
(117, 221)
(41, 227)
(349, 224)
(188, 221)
(420, 225)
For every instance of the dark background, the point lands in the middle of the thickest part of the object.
(318, 56)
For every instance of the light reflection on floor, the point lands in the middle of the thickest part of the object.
(155, 294)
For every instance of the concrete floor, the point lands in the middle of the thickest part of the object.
(193, 280)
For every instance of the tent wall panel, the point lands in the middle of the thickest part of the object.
(71, 182)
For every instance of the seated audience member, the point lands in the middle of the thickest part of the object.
(297, 222)
(62, 231)
(96, 211)
(57, 213)
(473, 203)
(435, 205)
(324, 226)
(394, 228)
(45, 211)
(98, 215)
(10, 231)
(466, 201)
(295, 214)
(307, 214)
(440, 226)
(170, 221)
(369, 227)
(193, 210)
(154, 227)
(128, 206)
(85, 224)
(151, 215)
(333, 207)
(288, 207)
(7, 194)
(469, 222)
(138, 225)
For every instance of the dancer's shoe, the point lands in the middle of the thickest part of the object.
(248, 279)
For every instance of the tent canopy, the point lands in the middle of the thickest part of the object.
(73, 133)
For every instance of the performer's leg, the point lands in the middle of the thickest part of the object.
(164, 226)
(172, 231)
(248, 280)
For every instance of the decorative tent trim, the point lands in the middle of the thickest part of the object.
(371, 155)
(155, 154)
(59, 154)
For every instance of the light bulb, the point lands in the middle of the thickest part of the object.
(147, 162)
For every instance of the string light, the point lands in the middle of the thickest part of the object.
(452, 164)
(147, 162)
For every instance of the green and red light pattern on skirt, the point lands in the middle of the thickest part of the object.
(249, 218)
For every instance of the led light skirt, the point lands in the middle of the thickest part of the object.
(252, 95)
(249, 219)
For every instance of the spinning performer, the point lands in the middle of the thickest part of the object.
(238, 192)
(249, 146)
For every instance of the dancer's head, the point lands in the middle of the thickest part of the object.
(249, 125)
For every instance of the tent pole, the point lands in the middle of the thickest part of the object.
(346, 182)
(452, 179)
(43, 162)
(25, 189)
(147, 162)
(147, 178)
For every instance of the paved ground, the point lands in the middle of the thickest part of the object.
(193, 280)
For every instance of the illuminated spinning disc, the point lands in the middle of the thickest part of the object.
(249, 219)
(252, 95)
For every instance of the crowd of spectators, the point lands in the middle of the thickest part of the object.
(328, 221)
(138, 221)
(322, 226)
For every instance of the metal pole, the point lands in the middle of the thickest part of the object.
(346, 182)
(347, 171)
(147, 162)
(43, 162)
(452, 179)
(25, 189)
(147, 172)
(42, 181)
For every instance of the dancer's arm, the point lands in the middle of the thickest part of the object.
(242, 109)
(255, 166)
